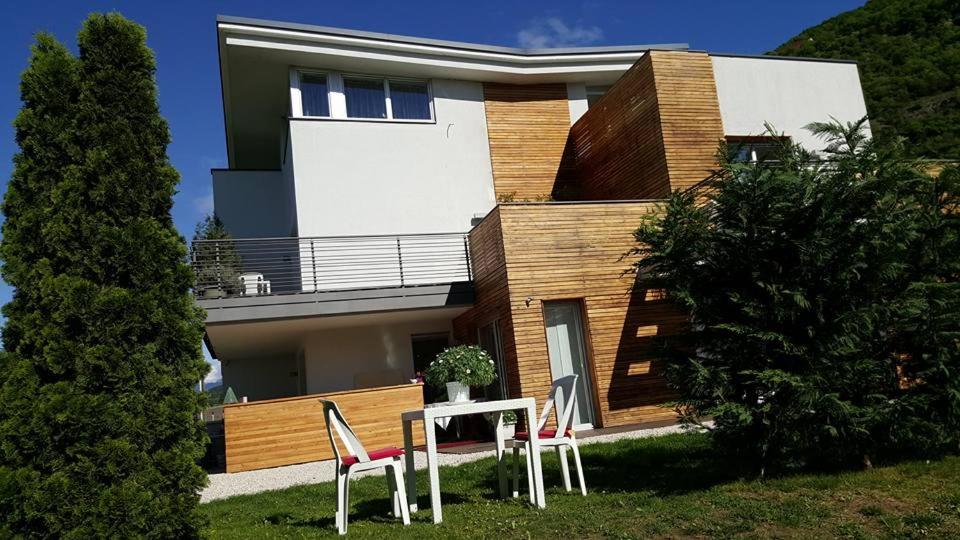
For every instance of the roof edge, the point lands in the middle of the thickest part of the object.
(394, 38)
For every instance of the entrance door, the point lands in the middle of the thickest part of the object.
(568, 355)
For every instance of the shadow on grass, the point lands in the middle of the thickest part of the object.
(671, 465)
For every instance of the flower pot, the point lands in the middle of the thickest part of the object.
(458, 392)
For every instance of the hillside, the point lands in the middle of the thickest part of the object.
(909, 57)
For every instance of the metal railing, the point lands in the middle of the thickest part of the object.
(268, 266)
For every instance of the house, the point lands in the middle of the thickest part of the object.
(389, 196)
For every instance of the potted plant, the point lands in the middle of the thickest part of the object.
(459, 368)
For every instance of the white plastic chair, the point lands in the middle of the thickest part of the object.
(560, 438)
(359, 460)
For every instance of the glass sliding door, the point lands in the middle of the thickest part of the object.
(567, 350)
(488, 337)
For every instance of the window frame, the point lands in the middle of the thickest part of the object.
(297, 77)
(337, 98)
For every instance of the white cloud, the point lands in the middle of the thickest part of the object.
(549, 32)
(204, 204)
(215, 375)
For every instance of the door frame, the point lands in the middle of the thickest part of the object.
(588, 361)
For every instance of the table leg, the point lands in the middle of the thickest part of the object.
(540, 499)
(501, 454)
(429, 428)
(411, 472)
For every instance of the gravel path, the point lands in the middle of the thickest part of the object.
(225, 485)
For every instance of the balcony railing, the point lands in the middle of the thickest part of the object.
(267, 266)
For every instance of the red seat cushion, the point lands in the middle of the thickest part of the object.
(391, 451)
(544, 434)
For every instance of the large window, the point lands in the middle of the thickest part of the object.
(409, 100)
(334, 95)
(313, 92)
(366, 98)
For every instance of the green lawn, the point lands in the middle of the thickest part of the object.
(670, 486)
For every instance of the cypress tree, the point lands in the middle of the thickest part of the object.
(99, 429)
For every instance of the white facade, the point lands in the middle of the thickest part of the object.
(786, 93)
(374, 177)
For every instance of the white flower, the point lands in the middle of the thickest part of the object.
(468, 372)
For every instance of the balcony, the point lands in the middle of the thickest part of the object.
(256, 278)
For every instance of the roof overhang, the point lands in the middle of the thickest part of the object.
(253, 52)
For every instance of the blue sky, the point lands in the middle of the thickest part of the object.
(182, 34)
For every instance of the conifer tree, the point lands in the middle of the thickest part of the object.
(99, 429)
(824, 302)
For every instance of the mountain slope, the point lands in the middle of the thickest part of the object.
(908, 52)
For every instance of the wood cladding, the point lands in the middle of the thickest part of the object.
(527, 127)
(656, 130)
(575, 252)
(279, 432)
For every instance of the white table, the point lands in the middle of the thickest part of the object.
(429, 415)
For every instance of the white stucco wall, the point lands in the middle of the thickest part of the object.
(254, 204)
(787, 93)
(367, 178)
(577, 101)
(339, 359)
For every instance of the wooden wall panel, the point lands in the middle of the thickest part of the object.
(527, 126)
(689, 115)
(491, 294)
(277, 432)
(558, 251)
(656, 130)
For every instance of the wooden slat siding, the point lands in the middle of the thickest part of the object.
(617, 146)
(656, 130)
(272, 433)
(689, 115)
(527, 127)
(490, 292)
(573, 252)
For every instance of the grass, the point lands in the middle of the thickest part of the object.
(664, 487)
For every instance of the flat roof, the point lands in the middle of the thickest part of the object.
(458, 45)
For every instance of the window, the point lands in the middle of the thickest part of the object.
(409, 100)
(753, 149)
(313, 94)
(594, 93)
(334, 95)
(366, 98)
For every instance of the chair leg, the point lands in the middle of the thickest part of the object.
(516, 471)
(576, 459)
(401, 493)
(392, 489)
(526, 452)
(343, 500)
(564, 468)
(339, 503)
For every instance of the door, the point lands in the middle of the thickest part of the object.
(568, 355)
(488, 337)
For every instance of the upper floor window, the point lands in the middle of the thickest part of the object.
(314, 94)
(334, 95)
(753, 149)
(594, 93)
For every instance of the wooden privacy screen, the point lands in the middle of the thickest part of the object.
(277, 432)
(527, 126)
(656, 130)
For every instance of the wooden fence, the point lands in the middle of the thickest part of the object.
(277, 432)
